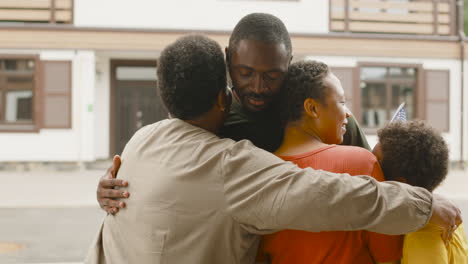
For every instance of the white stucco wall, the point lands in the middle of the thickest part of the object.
(453, 135)
(465, 117)
(75, 144)
(102, 108)
(304, 16)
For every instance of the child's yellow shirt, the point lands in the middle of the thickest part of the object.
(426, 246)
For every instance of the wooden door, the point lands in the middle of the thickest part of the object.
(137, 102)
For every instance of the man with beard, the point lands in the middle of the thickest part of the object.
(258, 58)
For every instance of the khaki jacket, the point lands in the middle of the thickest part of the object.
(196, 198)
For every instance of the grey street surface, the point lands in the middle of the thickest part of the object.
(47, 235)
(50, 216)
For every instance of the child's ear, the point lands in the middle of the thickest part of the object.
(311, 108)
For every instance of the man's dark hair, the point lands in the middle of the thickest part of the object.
(261, 27)
(414, 151)
(191, 72)
(305, 79)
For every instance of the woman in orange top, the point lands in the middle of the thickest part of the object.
(315, 115)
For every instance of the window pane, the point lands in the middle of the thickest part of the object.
(17, 92)
(18, 106)
(406, 74)
(17, 65)
(403, 93)
(373, 73)
(374, 112)
(136, 73)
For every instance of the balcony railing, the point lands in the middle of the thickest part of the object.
(425, 17)
(37, 11)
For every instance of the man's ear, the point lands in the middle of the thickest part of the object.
(224, 100)
(226, 52)
(311, 108)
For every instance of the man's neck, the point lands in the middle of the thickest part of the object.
(206, 122)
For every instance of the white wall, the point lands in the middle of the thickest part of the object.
(102, 108)
(304, 16)
(465, 119)
(453, 135)
(75, 144)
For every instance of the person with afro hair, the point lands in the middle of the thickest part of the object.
(415, 153)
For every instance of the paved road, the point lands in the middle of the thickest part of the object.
(47, 235)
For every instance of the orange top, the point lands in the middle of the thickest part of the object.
(293, 246)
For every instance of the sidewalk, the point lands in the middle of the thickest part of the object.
(455, 185)
(49, 188)
(41, 210)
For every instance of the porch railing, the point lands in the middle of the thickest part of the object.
(425, 17)
(37, 11)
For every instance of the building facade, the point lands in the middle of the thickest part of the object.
(78, 78)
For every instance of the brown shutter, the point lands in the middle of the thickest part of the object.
(346, 76)
(437, 111)
(56, 94)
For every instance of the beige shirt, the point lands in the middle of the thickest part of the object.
(196, 198)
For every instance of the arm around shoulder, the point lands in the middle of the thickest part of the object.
(266, 193)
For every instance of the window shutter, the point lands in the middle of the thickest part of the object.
(56, 94)
(437, 98)
(346, 76)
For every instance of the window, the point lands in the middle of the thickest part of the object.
(383, 89)
(426, 17)
(37, 11)
(18, 92)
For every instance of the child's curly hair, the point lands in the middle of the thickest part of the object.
(414, 151)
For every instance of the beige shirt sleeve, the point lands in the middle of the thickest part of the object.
(265, 194)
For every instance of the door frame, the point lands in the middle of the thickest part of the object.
(114, 63)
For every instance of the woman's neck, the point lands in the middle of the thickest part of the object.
(298, 140)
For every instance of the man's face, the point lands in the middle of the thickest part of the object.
(257, 71)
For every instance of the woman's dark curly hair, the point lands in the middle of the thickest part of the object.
(305, 79)
(191, 72)
(414, 151)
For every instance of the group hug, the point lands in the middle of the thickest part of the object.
(260, 161)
